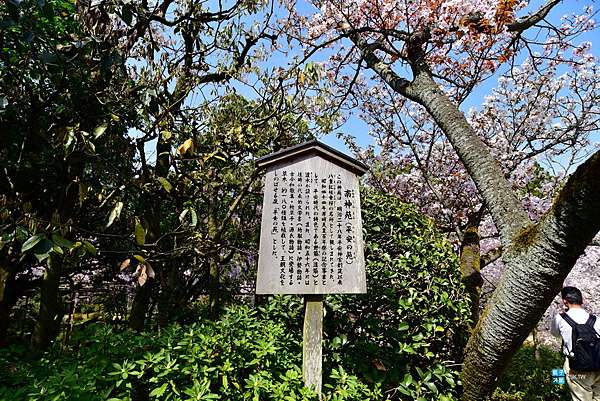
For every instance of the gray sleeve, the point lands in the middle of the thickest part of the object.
(555, 328)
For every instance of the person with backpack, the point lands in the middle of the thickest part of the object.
(580, 332)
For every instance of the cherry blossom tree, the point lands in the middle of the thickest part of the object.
(537, 142)
(428, 57)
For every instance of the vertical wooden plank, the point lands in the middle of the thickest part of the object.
(312, 358)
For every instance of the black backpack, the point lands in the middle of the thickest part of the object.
(586, 345)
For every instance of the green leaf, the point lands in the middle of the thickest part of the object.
(126, 14)
(31, 242)
(431, 387)
(159, 391)
(194, 218)
(182, 215)
(165, 183)
(99, 130)
(91, 249)
(83, 189)
(166, 135)
(114, 213)
(43, 249)
(70, 140)
(140, 232)
(61, 242)
(42, 256)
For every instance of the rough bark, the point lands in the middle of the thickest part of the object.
(51, 310)
(470, 267)
(7, 300)
(171, 296)
(139, 308)
(537, 257)
(537, 263)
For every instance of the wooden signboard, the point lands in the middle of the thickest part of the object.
(311, 235)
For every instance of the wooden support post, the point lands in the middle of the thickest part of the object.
(312, 358)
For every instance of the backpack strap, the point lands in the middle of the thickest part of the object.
(573, 325)
(571, 321)
(592, 322)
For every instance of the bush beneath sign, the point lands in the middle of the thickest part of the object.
(401, 341)
(243, 356)
(408, 331)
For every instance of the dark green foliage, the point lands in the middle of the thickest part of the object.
(62, 105)
(409, 330)
(65, 106)
(528, 379)
(241, 357)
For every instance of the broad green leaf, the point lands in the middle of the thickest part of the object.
(159, 391)
(70, 140)
(90, 145)
(43, 249)
(83, 190)
(194, 217)
(165, 183)
(182, 215)
(139, 258)
(99, 130)
(403, 326)
(140, 232)
(60, 241)
(31, 242)
(114, 213)
(166, 135)
(91, 249)
(431, 387)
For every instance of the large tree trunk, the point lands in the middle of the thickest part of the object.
(51, 311)
(537, 257)
(140, 306)
(7, 300)
(537, 263)
(153, 217)
(171, 295)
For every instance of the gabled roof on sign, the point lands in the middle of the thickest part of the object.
(315, 147)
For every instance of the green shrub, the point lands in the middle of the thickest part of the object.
(240, 357)
(408, 331)
(401, 341)
(528, 379)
